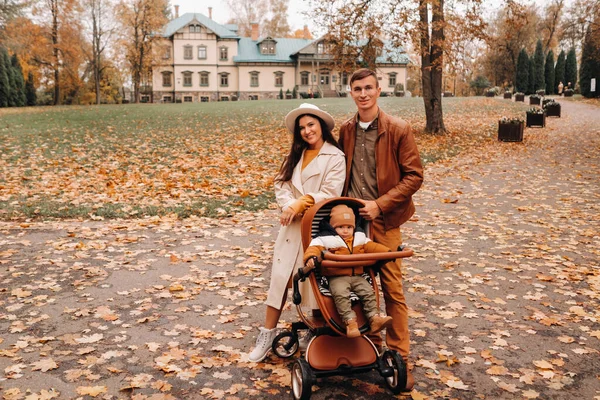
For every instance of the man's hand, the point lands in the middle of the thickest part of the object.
(287, 216)
(370, 211)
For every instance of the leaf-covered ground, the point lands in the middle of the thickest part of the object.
(504, 288)
(184, 159)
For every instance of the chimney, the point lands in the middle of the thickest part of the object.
(306, 32)
(210, 12)
(254, 35)
(176, 11)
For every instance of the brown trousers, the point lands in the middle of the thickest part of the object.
(397, 335)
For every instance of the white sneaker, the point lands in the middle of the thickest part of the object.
(264, 343)
(305, 340)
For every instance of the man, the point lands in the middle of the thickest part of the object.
(383, 168)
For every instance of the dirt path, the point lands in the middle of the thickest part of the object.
(504, 290)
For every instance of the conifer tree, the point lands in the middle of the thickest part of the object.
(20, 99)
(571, 68)
(532, 72)
(538, 62)
(559, 71)
(4, 84)
(590, 64)
(11, 98)
(30, 90)
(549, 72)
(522, 78)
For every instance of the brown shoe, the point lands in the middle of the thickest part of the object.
(352, 328)
(378, 322)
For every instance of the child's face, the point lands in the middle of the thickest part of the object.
(345, 231)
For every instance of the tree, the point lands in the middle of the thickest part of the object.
(20, 99)
(4, 83)
(277, 25)
(538, 62)
(140, 20)
(559, 71)
(549, 73)
(10, 74)
(248, 12)
(9, 9)
(576, 20)
(532, 73)
(100, 32)
(30, 90)
(479, 84)
(590, 61)
(571, 68)
(550, 24)
(350, 23)
(522, 78)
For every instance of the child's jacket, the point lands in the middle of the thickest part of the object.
(329, 240)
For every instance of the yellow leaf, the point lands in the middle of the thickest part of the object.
(91, 390)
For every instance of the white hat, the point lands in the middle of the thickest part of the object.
(307, 108)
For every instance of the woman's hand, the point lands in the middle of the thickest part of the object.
(287, 216)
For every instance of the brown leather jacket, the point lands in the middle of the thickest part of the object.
(399, 168)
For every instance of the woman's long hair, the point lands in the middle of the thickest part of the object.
(298, 146)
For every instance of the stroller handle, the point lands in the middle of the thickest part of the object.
(355, 260)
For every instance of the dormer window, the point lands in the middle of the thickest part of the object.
(194, 28)
(268, 46)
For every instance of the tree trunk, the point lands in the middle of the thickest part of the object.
(432, 61)
(55, 51)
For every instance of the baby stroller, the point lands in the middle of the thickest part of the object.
(330, 352)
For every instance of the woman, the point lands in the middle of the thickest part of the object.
(314, 170)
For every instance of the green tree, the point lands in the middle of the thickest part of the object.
(559, 71)
(11, 99)
(590, 62)
(522, 78)
(549, 73)
(538, 62)
(479, 84)
(30, 90)
(571, 68)
(20, 98)
(532, 72)
(4, 84)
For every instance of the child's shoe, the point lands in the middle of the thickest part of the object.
(264, 343)
(352, 328)
(378, 323)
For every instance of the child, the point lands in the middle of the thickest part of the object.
(344, 280)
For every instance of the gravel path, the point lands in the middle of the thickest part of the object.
(504, 290)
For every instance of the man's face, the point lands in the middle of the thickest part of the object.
(365, 93)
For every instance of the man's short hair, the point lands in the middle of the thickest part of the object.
(362, 74)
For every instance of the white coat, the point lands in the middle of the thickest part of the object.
(322, 179)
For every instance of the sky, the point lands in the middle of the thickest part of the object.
(221, 13)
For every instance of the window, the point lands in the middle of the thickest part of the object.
(201, 52)
(187, 52)
(278, 78)
(187, 78)
(203, 99)
(223, 53)
(166, 76)
(167, 99)
(392, 79)
(194, 28)
(145, 99)
(320, 48)
(224, 98)
(304, 77)
(224, 79)
(253, 97)
(267, 46)
(254, 78)
(166, 53)
(204, 78)
(344, 78)
(187, 99)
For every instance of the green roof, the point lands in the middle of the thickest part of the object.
(249, 50)
(178, 23)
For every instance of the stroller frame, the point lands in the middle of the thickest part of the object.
(344, 356)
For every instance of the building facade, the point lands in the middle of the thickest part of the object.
(199, 60)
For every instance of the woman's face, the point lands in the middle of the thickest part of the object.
(310, 130)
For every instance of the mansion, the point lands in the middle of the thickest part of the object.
(199, 60)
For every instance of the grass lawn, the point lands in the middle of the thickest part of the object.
(208, 159)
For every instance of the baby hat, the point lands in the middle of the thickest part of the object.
(342, 215)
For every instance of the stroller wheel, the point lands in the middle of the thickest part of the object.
(397, 381)
(285, 344)
(302, 380)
